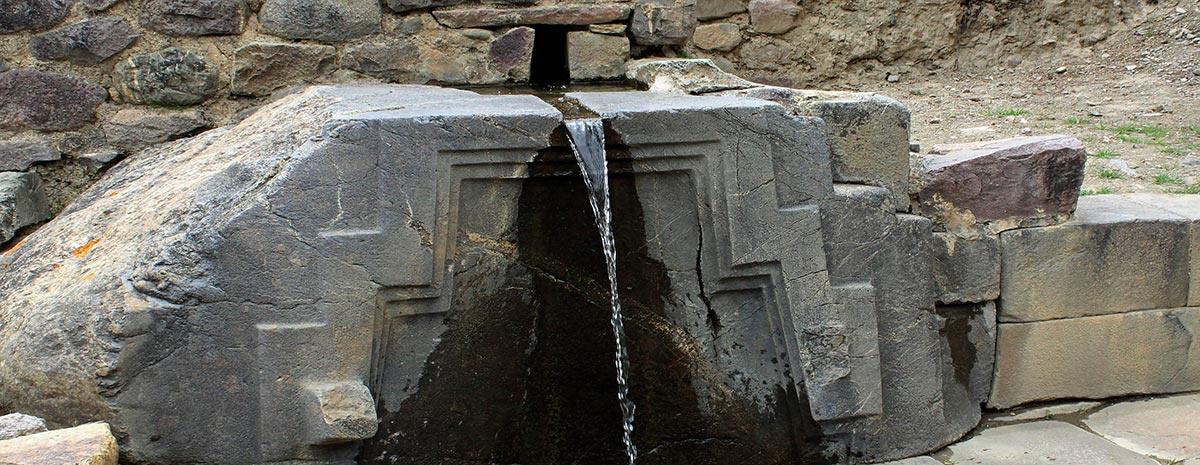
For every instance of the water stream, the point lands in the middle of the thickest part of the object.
(587, 141)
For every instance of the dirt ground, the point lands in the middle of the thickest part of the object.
(1134, 100)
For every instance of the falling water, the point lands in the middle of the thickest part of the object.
(587, 141)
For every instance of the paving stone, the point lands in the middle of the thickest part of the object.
(594, 56)
(172, 78)
(22, 203)
(321, 20)
(774, 16)
(576, 15)
(1167, 428)
(1046, 412)
(1097, 357)
(84, 43)
(194, 17)
(1027, 181)
(720, 37)
(35, 99)
(966, 269)
(662, 22)
(716, 9)
(924, 460)
(1115, 256)
(19, 155)
(21, 15)
(15, 425)
(90, 444)
(134, 129)
(1186, 206)
(1040, 443)
(261, 68)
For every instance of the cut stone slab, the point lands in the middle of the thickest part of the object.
(19, 155)
(194, 17)
(90, 444)
(574, 15)
(15, 425)
(1027, 181)
(134, 129)
(1040, 443)
(84, 43)
(691, 76)
(261, 68)
(1166, 427)
(22, 202)
(1186, 206)
(36, 99)
(594, 56)
(966, 269)
(1047, 412)
(321, 20)
(1097, 357)
(21, 15)
(662, 22)
(172, 77)
(1115, 255)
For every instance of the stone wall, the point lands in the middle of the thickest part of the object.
(93, 80)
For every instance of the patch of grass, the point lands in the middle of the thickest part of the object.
(1193, 128)
(1106, 153)
(1006, 112)
(1100, 191)
(1192, 189)
(1173, 151)
(1075, 120)
(1164, 179)
(1110, 173)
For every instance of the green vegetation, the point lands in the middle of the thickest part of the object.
(1075, 120)
(1164, 179)
(1100, 191)
(1192, 189)
(1106, 153)
(1110, 173)
(1193, 128)
(1173, 151)
(1006, 112)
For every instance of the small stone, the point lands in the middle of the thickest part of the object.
(90, 444)
(45, 101)
(172, 77)
(3, 65)
(596, 56)
(935, 121)
(1122, 167)
(96, 161)
(259, 69)
(1060, 70)
(1013, 62)
(133, 129)
(321, 20)
(716, 9)
(394, 61)
(21, 15)
(662, 23)
(893, 78)
(194, 17)
(721, 37)
(19, 155)
(84, 43)
(914, 148)
(610, 29)
(1196, 71)
(409, 26)
(511, 52)
(15, 425)
(22, 203)
(695, 76)
(773, 16)
(573, 15)
(1130, 67)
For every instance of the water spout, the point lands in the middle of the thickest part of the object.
(587, 141)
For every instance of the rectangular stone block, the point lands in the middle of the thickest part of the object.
(1096, 357)
(965, 270)
(1115, 256)
(1187, 206)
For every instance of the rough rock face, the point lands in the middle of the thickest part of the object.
(351, 263)
(596, 56)
(19, 155)
(397, 60)
(194, 17)
(47, 101)
(321, 20)
(966, 269)
(84, 43)
(173, 77)
(20, 15)
(90, 444)
(1008, 183)
(15, 425)
(132, 130)
(663, 22)
(774, 16)
(259, 69)
(576, 15)
(22, 202)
